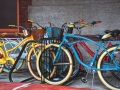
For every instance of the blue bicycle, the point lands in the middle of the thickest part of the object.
(107, 64)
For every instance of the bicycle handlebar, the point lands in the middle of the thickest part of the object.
(34, 27)
(72, 25)
(17, 26)
(36, 23)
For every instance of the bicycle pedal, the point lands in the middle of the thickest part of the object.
(83, 79)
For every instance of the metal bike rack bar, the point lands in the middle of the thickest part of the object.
(18, 58)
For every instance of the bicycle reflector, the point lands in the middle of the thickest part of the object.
(80, 20)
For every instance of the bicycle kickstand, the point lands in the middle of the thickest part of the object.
(93, 77)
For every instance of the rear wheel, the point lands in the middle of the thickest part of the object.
(110, 78)
(51, 70)
(31, 60)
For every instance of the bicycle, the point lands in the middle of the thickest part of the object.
(84, 45)
(1, 55)
(90, 66)
(11, 54)
(10, 43)
(76, 71)
(78, 68)
(31, 56)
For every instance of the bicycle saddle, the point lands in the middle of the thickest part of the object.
(103, 37)
(107, 31)
(113, 33)
(108, 34)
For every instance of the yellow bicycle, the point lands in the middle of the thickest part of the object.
(8, 57)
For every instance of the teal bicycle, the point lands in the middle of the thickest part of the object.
(107, 65)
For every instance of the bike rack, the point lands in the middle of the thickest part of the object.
(23, 48)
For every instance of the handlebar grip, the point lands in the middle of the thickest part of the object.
(96, 22)
(70, 25)
(84, 24)
(48, 21)
(40, 28)
(79, 21)
(3, 34)
(12, 25)
(30, 20)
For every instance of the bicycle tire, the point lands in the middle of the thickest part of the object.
(107, 77)
(54, 78)
(2, 65)
(31, 61)
(62, 71)
(76, 66)
(10, 45)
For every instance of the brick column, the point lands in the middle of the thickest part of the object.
(23, 11)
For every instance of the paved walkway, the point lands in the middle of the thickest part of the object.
(76, 84)
(32, 86)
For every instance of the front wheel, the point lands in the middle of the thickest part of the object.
(111, 76)
(31, 60)
(50, 68)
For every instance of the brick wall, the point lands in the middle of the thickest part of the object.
(23, 11)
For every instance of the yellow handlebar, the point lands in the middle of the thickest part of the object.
(40, 28)
(48, 21)
(70, 25)
(11, 25)
(84, 24)
(30, 20)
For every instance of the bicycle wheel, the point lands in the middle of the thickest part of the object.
(2, 54)
(110, 78)
(31, 60)
(76, 65)
(49, 69)
(13, 54)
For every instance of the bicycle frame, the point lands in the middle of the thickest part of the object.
(14, 48)
(89, 51)
(83, 44)
(92, 61)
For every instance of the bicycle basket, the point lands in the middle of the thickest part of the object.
(38, 34)
(54, 32)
